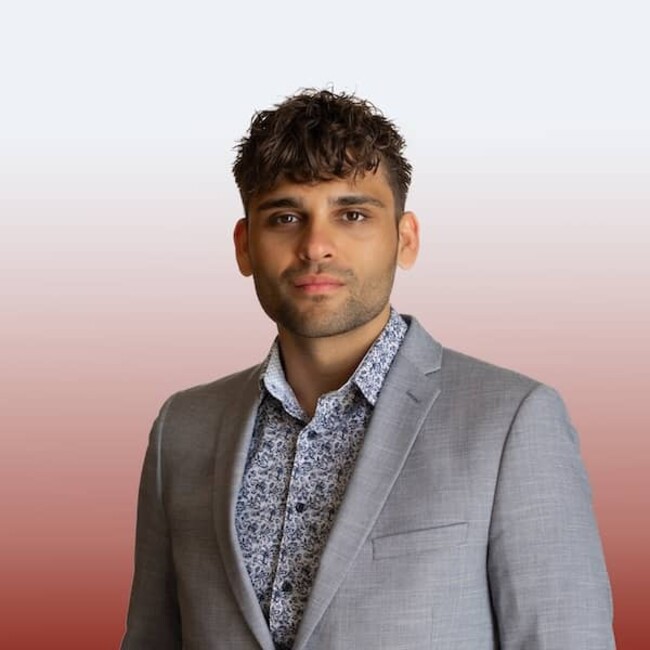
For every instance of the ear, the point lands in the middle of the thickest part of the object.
(241, 247)
(408, 230)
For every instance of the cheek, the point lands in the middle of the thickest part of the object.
(269, 264)
(376, 254)
(265, 257)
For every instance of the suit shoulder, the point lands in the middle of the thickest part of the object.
(470, 366)
(221, 386)
(456, 367)
(486, 383)
(189, 419)
(480, 380)
(224, 390)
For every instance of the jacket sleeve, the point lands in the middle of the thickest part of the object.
(153, 619)
(548, 581)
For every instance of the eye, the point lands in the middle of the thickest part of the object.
(283, 219)
(353, 216)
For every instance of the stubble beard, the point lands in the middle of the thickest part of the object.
(318, 319)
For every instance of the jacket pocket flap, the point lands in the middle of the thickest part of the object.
(419, 541)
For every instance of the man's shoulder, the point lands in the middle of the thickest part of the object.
(479, 390)
(472, 369)
(463, 370)
(214, 395)
(232, 382)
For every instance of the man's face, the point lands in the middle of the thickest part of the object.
(323, 255)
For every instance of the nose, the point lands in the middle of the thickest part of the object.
(317, 241)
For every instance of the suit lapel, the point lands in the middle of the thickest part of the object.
(234, 436)
(410, 389)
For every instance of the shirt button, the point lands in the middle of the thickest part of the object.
(287, 587)
(300, 507)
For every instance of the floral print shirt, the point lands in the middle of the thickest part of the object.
(295, 477)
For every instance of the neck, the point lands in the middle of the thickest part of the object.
(315, 366)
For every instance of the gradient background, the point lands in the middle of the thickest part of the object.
(529, 130)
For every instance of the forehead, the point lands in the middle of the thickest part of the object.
(371, 187)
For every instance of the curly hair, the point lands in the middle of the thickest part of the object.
(318, 135)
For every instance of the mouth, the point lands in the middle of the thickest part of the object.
(317, 284)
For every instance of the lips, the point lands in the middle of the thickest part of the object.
(317, 285)
(319, 280)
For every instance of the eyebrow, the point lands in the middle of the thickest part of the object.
(280, 202)
(356, 199)
(344, 201)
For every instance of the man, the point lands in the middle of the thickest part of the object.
(363, 487)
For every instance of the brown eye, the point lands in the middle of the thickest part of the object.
(283, 219)
(354, 216)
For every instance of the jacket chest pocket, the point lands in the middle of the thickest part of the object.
(420, 541)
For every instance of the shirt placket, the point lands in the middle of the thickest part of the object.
(299, 547)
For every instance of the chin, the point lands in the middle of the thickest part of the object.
(340, 321)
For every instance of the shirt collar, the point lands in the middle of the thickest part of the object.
(369, 375)
(371, 372)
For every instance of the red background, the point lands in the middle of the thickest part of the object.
(118, 290)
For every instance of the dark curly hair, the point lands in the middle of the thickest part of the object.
(318, 135)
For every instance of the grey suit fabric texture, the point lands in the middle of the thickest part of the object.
(467, 523)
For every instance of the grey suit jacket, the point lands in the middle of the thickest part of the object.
(467, 523)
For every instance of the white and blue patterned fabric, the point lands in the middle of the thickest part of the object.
(295, 477)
